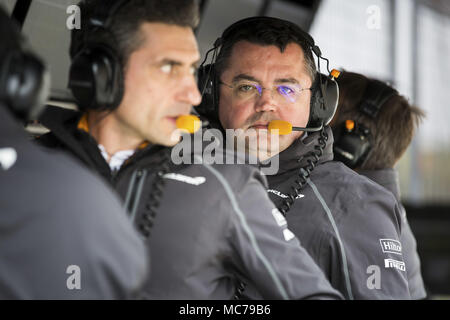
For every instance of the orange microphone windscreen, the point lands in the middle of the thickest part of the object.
(283, 127)
(350, 125)
(189, 123)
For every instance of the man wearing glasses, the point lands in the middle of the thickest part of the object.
(265, 71)
(206, 226)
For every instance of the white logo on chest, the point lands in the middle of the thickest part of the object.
(8, 157)
(186, 179)
(282, 195)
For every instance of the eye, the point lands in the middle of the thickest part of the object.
(193, 70)
(285, 90)
(167, 68)
(246, 88)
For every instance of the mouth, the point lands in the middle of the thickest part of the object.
(172, 119)
(262, 125)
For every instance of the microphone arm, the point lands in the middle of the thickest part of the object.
(314, 129)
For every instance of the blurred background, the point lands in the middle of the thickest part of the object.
(405, 43)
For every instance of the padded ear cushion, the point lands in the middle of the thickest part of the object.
(25, 84)
(208, 86)
(323, 106)
(352, 148)
(96, 79)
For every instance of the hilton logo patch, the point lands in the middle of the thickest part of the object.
(391, 246)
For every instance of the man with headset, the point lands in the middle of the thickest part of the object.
(132, 83)
(373, 126)
(63, 233)
(265, 71)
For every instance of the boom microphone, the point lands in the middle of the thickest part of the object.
(189, 123)
(285, 127)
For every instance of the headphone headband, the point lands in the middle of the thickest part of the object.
(375, 96)
(103, 16)
(235, 26)
(325, 91)
(99, 21)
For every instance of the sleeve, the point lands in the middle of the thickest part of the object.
(64, 233)
(367, 252)
(412, 260)
(279, 267)
(82, 246)
(102, 242)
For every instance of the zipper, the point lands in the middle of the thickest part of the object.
(136, 184)
(130, 162)
(134, 192)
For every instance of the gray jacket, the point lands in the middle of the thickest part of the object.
(388, 178)
(63, 234)
(215, 225)
(346, 222)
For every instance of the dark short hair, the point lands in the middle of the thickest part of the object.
(391, 130)
(126, 22)
(275, 32)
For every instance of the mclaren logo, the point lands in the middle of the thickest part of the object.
(282, 195)
(288, 235)
(8, 157)
(186, 179)
(279, 218)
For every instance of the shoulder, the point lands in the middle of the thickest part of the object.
(352, 196)
(62, 206)
(338, 179)
(72, 190)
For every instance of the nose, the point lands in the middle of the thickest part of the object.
(188, 92)
(265, 102)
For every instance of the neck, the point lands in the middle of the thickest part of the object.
(113, 135)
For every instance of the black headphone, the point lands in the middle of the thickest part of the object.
(324, 91)
(353, 141)
(96, 73)
(24, 81)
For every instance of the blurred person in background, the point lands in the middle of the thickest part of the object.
(373, 126)
(63, 233)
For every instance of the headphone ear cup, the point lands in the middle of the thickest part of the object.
(96, 79)
(315, 103)
(25, 84)
(207, 84)
(351, 148)
(323, 106)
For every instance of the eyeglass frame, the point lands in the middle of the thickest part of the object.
(261, 88)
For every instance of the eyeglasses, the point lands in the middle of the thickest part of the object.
(282, 94)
